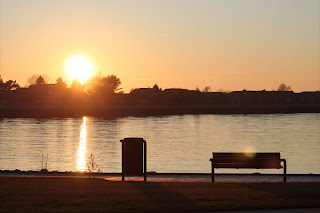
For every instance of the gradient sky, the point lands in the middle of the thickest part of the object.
(230, 44)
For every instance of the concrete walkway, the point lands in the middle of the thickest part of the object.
(218, 178)
(311, 210)
(172, 177)
(176, 177)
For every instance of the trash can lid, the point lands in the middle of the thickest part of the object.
(132, 139)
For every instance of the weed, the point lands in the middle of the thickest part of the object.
(44, 164)
(92, 165)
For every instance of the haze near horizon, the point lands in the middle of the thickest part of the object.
(233, 45)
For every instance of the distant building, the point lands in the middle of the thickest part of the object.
(246, 97)
(142, 91)
(179, 91)
(308, 97)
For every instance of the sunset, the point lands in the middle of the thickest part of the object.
(230, 45)
(160, 106)
(79, 68)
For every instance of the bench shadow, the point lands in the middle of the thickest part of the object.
(164, 198)
(309, 191)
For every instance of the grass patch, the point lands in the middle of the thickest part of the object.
(66, 194)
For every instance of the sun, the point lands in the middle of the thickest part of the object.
(79, 67)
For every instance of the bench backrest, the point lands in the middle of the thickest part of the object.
(246, 160)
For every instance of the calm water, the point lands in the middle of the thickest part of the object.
(175, 143)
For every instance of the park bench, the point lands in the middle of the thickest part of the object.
(248, 161)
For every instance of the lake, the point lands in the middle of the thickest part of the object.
(181, 143)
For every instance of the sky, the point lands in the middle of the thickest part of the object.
(225, 44)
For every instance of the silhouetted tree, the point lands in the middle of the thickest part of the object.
(60, 91)
(223, 91)
(60, 83)
(93, 85)
(112, 83)
(40, 80)
(1, 83)
(76, 85)
(77, 94)
(37, 79)
(220, 90)
(284, 87)
(11, 85)
(206, 89)
(156, 88)
(108, 84)
(8, 85)
(32, 80)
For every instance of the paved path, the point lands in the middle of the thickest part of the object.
(172, 177)
(203, 178)
(218, 178)
(311, 210)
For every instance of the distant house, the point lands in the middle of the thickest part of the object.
(43, 87)
(308, 97)
(142, 91)
(47, 94)
(246, 97)
(144, 95)
(179, 91)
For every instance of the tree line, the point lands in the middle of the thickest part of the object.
(96, 85)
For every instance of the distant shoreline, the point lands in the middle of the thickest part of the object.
(144, 110)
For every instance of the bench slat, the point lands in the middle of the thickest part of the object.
(260, 165)
(241, 160)
(249, 155)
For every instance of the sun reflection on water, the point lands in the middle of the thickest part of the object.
(250, 151)
(82, 148)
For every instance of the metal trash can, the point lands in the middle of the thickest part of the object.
(134, 157)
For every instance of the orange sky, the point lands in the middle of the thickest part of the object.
(234, 45)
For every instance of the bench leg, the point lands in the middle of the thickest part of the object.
(284, 170)
(122, 161)
(212, 173)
